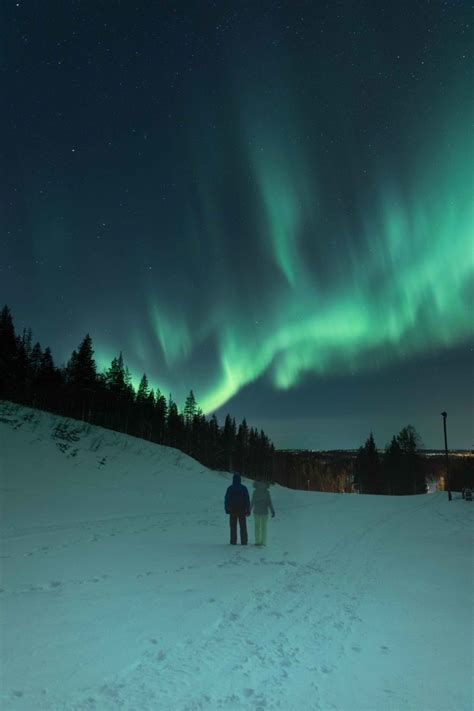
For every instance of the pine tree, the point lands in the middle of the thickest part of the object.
(199, 446)
(160, 417)
(143, 412)
(175, 425)
(242, 447)
(215, 446)
(191, 436)
(228, 442)
(190, 408)
(367, 468)
(8, 355)
(34, 363)
(414, 480)
(393, 468)
(266, 456)
(143, 390)
(35, 360)
(360, 471)
(87, 367)
(408, 439)
(49, 383)
(129, 391)
(27, 339)
(373, 466)
(81, 372)
(22, 366)
(253, 463)
(115, 376)
(47, 373)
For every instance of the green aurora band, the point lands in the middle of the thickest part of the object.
(394, 281)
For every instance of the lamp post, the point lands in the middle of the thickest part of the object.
(448, 483)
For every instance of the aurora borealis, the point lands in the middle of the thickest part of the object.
(270, 203)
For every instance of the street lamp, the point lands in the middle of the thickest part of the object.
(448, 483)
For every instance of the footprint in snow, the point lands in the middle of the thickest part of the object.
(327, 670)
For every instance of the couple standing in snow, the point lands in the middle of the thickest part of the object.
(238, 505)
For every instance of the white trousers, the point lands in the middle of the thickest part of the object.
(260, 529)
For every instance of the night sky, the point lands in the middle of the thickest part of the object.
(270, 203)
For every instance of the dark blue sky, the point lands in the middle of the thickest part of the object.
(270, 203)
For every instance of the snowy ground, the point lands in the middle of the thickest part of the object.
(119, 589)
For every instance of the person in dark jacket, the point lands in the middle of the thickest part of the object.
(237, 505)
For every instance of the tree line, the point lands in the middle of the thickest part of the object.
(398, 471)
(29, 376)
(401, 469)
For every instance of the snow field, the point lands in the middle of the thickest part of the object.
(119, 589)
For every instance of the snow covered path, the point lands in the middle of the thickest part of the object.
(119, 589)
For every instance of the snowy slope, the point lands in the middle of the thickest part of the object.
(119, 589)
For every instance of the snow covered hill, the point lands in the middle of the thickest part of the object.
(119, 589)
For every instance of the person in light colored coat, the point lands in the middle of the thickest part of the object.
(260, 505)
